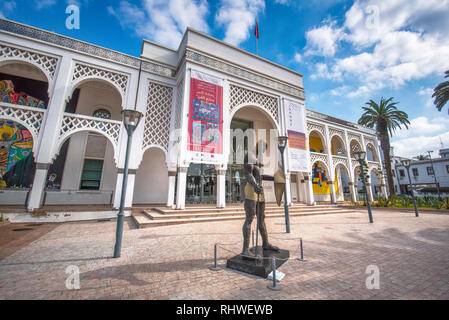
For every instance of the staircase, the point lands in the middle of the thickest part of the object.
(163, 216)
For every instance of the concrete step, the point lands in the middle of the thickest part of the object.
(272, 207)
(147, 219)
(156, 215)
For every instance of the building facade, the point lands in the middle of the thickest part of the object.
(425, 175)
(63, 141)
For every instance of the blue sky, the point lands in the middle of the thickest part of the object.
(349, 51)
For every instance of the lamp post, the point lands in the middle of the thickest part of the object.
(360, 157)
(406, 164)
(434, 175)
(131, 119)
(282, 143)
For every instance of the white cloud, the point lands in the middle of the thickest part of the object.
(238, 16)
(6, 8)
(163, 21)
(400, 44)
(298, 58)
(423, 134)
(323, 41)
(281, 1)
(41, 4)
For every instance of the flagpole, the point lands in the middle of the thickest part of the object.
(257, 53)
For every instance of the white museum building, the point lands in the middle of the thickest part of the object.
(63, 141)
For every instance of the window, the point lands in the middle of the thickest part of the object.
(91, 176)
(447, 168)
(102, 113)
(415, 172)
(429, 171)
(401, 173)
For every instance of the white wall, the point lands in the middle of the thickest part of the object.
(151, 182)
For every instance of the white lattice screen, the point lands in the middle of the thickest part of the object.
(83, 71)
(179, 101)
(75, 122)
(45, 62)
(157, 118)
(31, 116)
(239, 96)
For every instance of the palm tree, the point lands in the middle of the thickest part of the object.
(386, 118)
(441, 93)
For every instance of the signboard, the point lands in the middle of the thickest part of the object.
(205, 137)
(296, 131)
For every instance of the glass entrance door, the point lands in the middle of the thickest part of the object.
(235, 177)
(201, 184)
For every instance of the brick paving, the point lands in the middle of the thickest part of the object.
(171, 262)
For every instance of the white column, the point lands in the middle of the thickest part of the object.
(37, 191)
(353, 191)
(331, 172)
(50, 132)
(129, 188)
(299, 187)
(171, 188)
(332, 191)
(310, 200)
(181, 188)
(221, 188)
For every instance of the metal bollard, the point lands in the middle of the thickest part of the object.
(214, 267)
(302, 253)
(274, 286)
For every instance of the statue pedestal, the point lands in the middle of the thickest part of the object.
(260, 265)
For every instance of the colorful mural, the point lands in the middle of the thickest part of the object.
(7, 94)
(16, 157)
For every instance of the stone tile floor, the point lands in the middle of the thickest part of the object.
(171, 262)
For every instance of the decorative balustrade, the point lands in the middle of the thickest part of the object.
(29, 117)
(316, 156)
(72, 123)
(339, 160)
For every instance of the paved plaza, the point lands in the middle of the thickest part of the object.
(171, 262)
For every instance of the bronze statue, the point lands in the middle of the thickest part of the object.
(255, 202)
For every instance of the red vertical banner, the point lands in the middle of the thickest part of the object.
(205, 137)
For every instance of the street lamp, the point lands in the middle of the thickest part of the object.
(131, 119)
(360, 157)
(406, 164)
(282, 143)
(434, 175)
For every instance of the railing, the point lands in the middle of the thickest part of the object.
(76, 122)
(30, 117)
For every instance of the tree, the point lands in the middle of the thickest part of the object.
(385, 118)
(441, 94)
(421, 157)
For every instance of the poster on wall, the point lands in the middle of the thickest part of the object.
(296, 131)
(205, 137)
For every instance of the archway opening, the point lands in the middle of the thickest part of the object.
(316, 142)
(83, 173)
(371, 154)
(338, 146)
(23, 84)
(17, 166)
(151, 183)
(249, 125)
(342, 183)
(320, 179)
